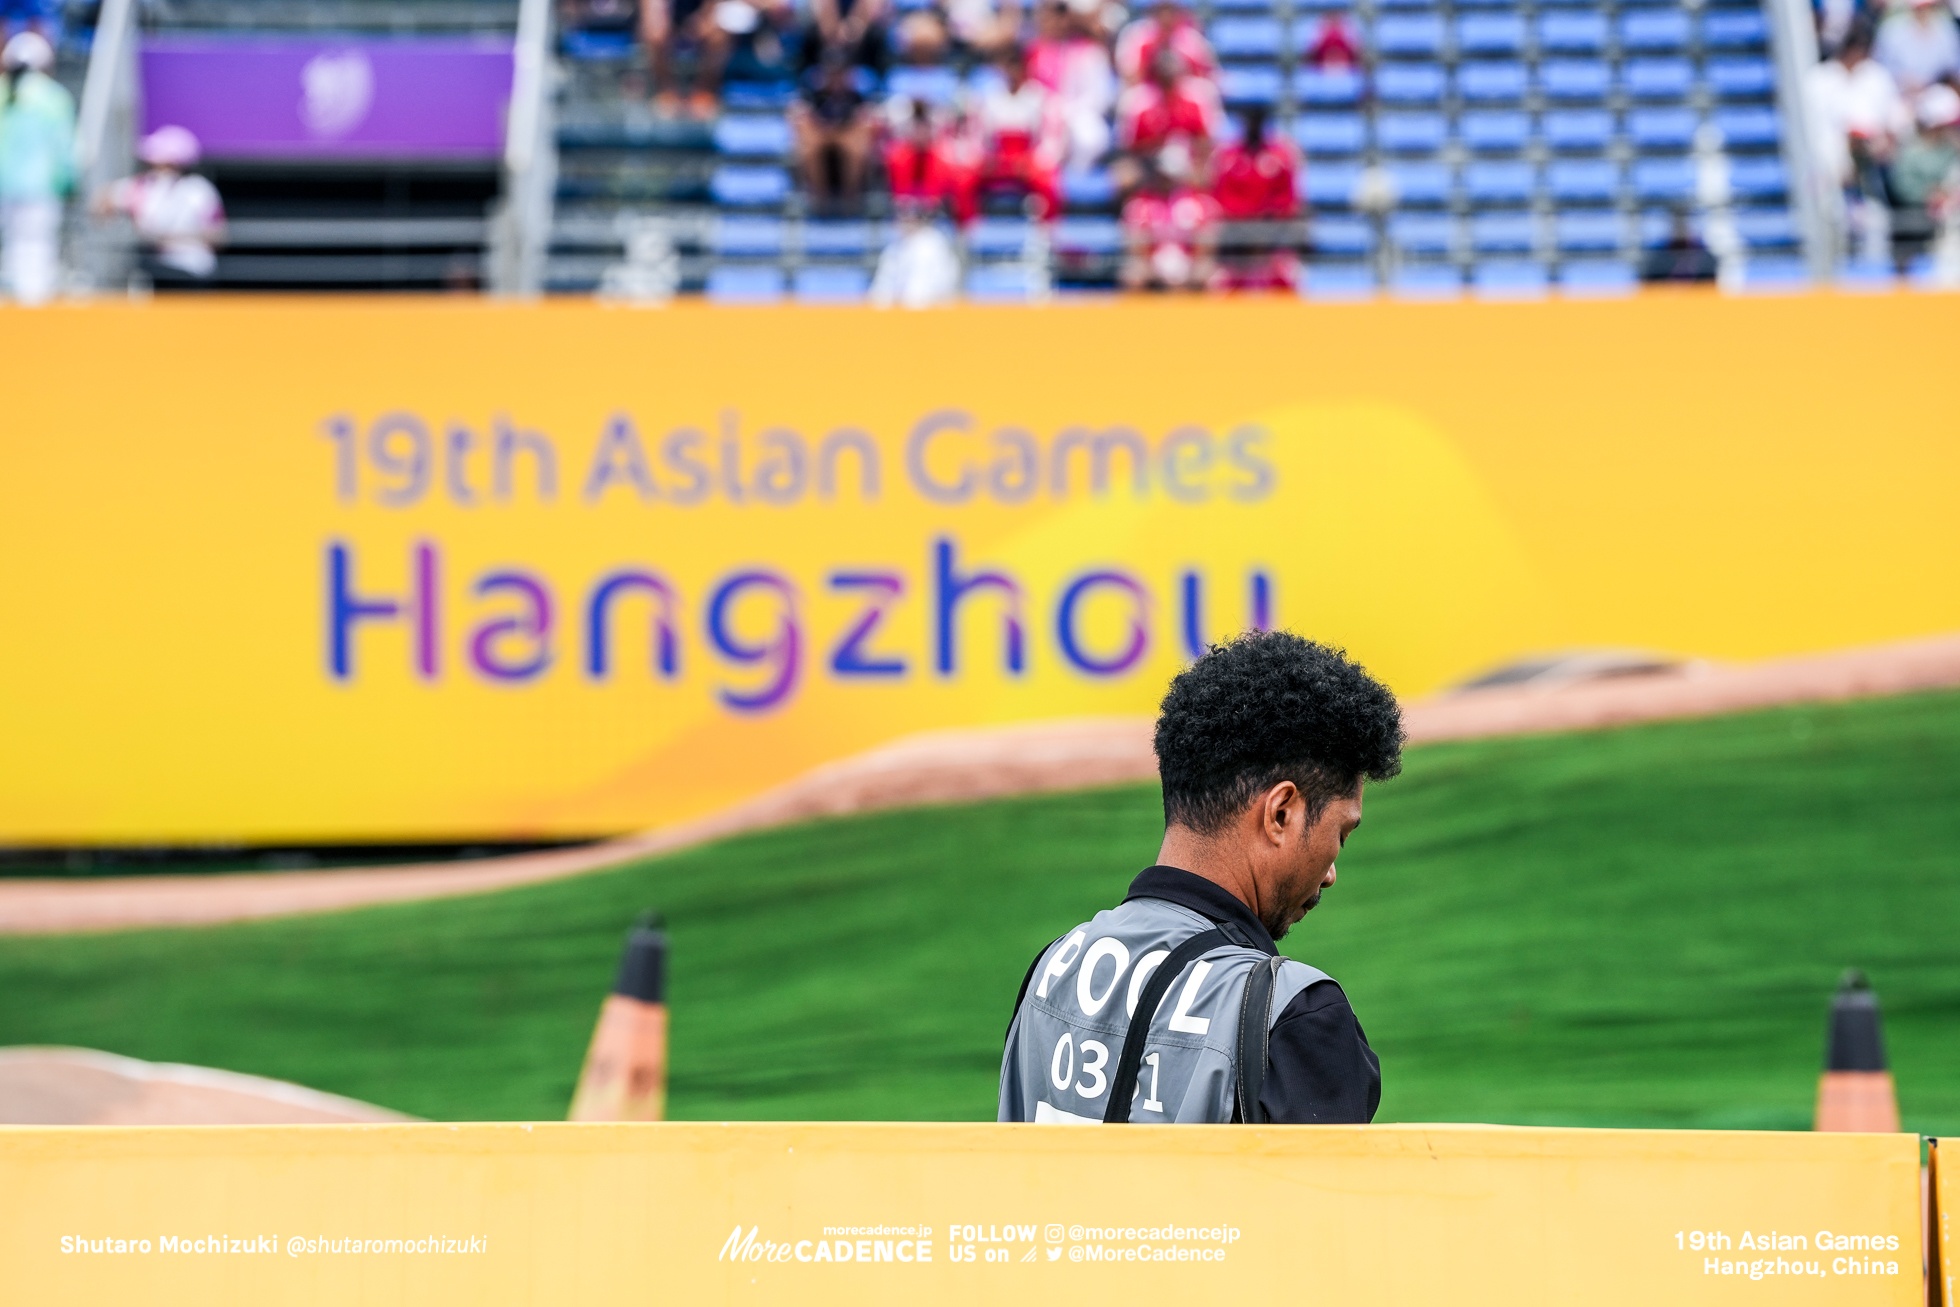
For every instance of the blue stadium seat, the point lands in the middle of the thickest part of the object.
(1657, 79)
(1489, 34)
(1322, 5)
(1088, 236)
(1245, 38)
(1410, 133)
(756, 97)
(1587, 230)
(1421, 183)
(748, 186)
(1662, 129)
(1408, 34)
(1734, 29)
(1657, 225)
(837, 239)
(1654, 29)
(1256, 84)
(1510, 279)
(1735, 79)
(1347, 281)
(1757, 177)
(1000, 282)
(1502, 233)
(1331, 184)
(1582, 179)
(1422, 233)
(1747, 125)
(1596, 277)
(752, 236)
(749, 134)
(1088, 190)
(1487, 182)
(1574, 79)
(998, 237)
(1491, 83)
(1578, 129)
(1775, 275)
(598, 46)
(1427, 281)
(831, 285)
(1242, 6)
(1494, 129)
(939, 86)
(1327, 86)
(1408, 83)
(1342, 235)
(736, 284)
(1664, 178)
(1765, 228)
(1571, 33)
(1330, 133)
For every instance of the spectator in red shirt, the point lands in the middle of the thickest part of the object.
(1168, 26)
(924, 160)
(1334, 45)
(1170, 120)
(1022, 141)
(1170, 234)
(1255, 182)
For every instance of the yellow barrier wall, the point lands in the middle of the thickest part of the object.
(954, 1214)
(807, 531)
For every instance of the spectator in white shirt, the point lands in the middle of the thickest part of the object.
(1919, 47)
(178, 215)
(1857, 109)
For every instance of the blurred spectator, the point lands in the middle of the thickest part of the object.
(1682, 257)
(178, 214)
(1021, 143)
(968, 29)
(1168, 26)
(1255, 180)
(926, 160)
(855, 27)
(1169, 120)
(690, 28)
(834, 128)
(1857, 108)
(1170, 233)
(1069, 59)
(919, 268)
(37, 145)
(1919, 47)
(1834, 20)
(1924, 181)
(1334, 45)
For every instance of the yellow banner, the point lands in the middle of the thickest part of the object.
(362, 570)
(492, 1214)
(1945, 1253)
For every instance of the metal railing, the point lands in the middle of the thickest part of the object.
(521, 231)
(102, 249)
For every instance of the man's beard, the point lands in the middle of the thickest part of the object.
(1278, 929)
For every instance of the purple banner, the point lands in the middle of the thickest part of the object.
(310, 98)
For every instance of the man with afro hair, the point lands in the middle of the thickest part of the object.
(1264, 746)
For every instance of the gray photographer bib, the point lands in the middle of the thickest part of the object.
(1067, 1036)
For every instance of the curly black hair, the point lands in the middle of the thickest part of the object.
(1267, 707)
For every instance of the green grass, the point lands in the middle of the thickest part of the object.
(1637, 927)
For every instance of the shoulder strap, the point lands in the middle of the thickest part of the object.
(1255, 1037)
(1026, 980)
(1123, 1086)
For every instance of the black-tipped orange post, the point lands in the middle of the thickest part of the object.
(1856, 1093)
(625, 1075)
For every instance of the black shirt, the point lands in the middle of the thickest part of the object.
(1319, 1068)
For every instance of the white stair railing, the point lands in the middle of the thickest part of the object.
(521, 231)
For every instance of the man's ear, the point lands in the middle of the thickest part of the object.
(1276, 811)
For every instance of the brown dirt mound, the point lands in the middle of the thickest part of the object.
(79, 1086)
(957, 766)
